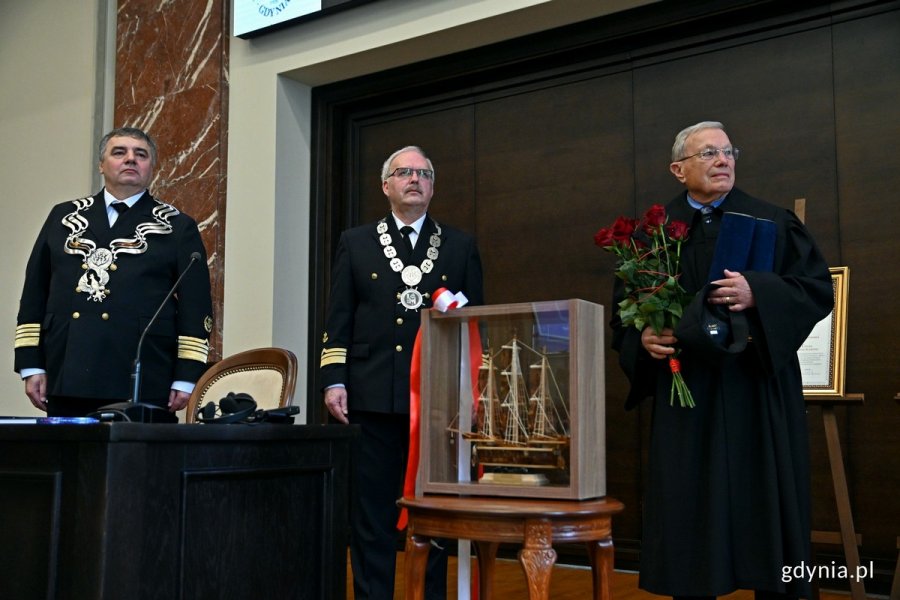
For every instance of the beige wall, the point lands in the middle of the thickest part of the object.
(51, 67)
(56, 65)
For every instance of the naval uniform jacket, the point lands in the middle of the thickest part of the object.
(369, 335)
(88, 346)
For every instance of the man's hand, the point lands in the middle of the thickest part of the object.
(659, 346)
(733, 291)
(177, 400)
(336, 403)
(36, 390)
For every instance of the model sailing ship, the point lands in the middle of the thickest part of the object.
(516, 432)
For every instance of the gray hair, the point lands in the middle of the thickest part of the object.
(385, 168)
(132, 132)
(684, 134)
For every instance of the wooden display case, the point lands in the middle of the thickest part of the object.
(513, 401)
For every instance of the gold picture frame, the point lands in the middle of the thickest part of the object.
(823, 354)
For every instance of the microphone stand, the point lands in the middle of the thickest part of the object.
(134, 410)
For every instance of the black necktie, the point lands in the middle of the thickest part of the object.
(406, 230)
(707, 212)
(120, 207)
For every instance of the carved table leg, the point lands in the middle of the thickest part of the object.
(537, 557)
(487, 555)
(601, 554)
(415, 561)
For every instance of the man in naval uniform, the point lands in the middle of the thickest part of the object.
(99, 270)
(379, 285)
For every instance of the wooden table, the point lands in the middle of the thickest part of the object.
(488, 522)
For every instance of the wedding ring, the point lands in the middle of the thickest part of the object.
(727, 299)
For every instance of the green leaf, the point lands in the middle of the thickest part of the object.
(657, 321)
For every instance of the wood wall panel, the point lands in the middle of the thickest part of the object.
(549, 173)
(558, 146)
(867, 124)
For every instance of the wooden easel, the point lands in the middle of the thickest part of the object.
(848, 537)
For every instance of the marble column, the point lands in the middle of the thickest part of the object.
(172, 81)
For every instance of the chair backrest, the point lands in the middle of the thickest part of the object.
(267, 374)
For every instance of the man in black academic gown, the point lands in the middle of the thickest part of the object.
(385, 273)
(727, 504)
(93, 281)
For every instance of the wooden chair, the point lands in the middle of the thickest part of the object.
(267, 374)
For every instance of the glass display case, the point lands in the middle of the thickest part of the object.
(513, 401)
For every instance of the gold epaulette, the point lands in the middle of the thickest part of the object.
(28, 334)
(191, 348)
(332, 356)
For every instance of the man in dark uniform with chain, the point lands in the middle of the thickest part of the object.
(384, 274)
(99, 270)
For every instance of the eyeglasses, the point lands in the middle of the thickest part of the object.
(406, 173)
(711, 153)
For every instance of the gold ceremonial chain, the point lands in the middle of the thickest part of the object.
(99, 261)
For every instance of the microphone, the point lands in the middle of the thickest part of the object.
(136, 373)
(134, 410)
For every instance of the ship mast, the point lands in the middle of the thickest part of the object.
(539, 400)
(486, 399)
(511, 404)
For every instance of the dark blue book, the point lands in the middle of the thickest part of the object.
(745, 243)
(762, 251)
(733, 244)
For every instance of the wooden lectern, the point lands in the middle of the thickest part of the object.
(138, 511)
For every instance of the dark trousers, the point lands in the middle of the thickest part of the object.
(378, 466)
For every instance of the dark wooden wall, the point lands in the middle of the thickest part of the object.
(540, 141)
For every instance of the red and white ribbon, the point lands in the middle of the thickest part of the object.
(445, 300)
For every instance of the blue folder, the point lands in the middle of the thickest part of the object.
(745, 243)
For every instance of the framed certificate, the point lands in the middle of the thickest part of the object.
(823, 354)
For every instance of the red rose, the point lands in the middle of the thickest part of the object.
(604, 237)
(677, 230)
(649, 268)
(623, 229)
(653, 218)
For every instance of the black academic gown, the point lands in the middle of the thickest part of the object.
(727, 504)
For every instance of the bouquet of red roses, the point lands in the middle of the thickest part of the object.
(649, 252)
